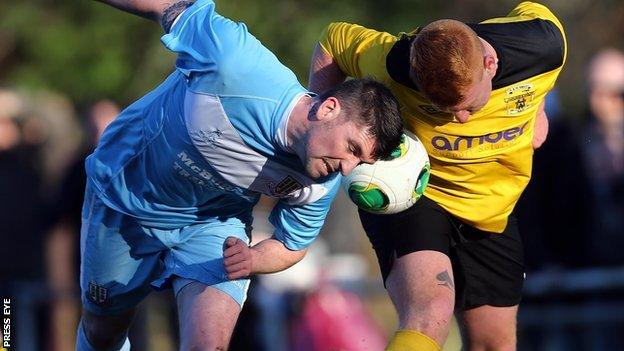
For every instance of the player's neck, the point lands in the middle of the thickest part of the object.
(298, 124)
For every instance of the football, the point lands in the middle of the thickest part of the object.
(391, 185)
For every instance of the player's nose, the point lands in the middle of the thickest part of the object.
(347, 165)
(462, 116)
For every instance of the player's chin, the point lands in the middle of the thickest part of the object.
(316, 169)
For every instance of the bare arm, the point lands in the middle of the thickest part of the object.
(268, 256)
(150, 9)
(162, 11)
(324, 71)
(541, 127)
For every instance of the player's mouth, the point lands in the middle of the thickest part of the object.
(328, 168)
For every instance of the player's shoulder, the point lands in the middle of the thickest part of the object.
(528, 11)
(529, 42)
(532, 9)
(201, 32)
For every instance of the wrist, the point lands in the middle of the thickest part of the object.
(255, 256)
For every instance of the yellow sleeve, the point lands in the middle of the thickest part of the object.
(346, 43)
(532, 10)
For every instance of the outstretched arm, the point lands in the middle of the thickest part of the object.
(268, 256)
(150, 9)
(162, 11)
(324, 71)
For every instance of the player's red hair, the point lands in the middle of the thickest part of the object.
(446, 58)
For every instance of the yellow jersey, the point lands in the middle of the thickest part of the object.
(479, 168)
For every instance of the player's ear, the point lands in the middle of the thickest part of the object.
(491, 65)
(329, 109)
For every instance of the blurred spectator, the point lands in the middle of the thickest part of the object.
(22, 215)
(603, 156)
(552, 215)
(23, 218)
(574, 208)
(63, 246)
(552, 212)
(332, 318)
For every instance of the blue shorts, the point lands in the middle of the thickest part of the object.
(122, 261)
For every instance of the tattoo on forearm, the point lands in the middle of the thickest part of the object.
(172, 11)
(445, 279)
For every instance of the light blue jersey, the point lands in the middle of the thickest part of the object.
(210, 139)
(180, 170)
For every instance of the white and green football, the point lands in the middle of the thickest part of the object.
(391, 185)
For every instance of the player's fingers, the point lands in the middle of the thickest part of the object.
(231, 241)
(236, 267)
(238, 275)
(236, 248)
(230, 260)
(237, 271)
(231, 251)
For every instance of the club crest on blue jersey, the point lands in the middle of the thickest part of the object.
(284, 187)
(97, 293)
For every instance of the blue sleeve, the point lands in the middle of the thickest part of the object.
(297, 226)
(201, 37)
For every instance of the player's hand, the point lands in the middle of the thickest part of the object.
(237, 258)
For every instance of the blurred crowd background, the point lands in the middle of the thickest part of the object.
(67, 68)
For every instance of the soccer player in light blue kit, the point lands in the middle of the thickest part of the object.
(174, 178)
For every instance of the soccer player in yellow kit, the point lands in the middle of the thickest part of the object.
(473, 94)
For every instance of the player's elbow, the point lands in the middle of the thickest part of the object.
(540, 135)
(541, 129)
(324, 71)
(537, 142)
(293, 257)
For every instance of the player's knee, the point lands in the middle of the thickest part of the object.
(203, 345)
(489, 328)
(100, 339)
(106, 332)
(495, 345)
(483, 342)
(439, 309)
(432, 318)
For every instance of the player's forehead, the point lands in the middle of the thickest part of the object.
(473, 95)
(364, 143)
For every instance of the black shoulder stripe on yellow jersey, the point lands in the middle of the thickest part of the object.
(525, 49)
(397, 62)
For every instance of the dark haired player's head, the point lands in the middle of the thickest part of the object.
(372, 106)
